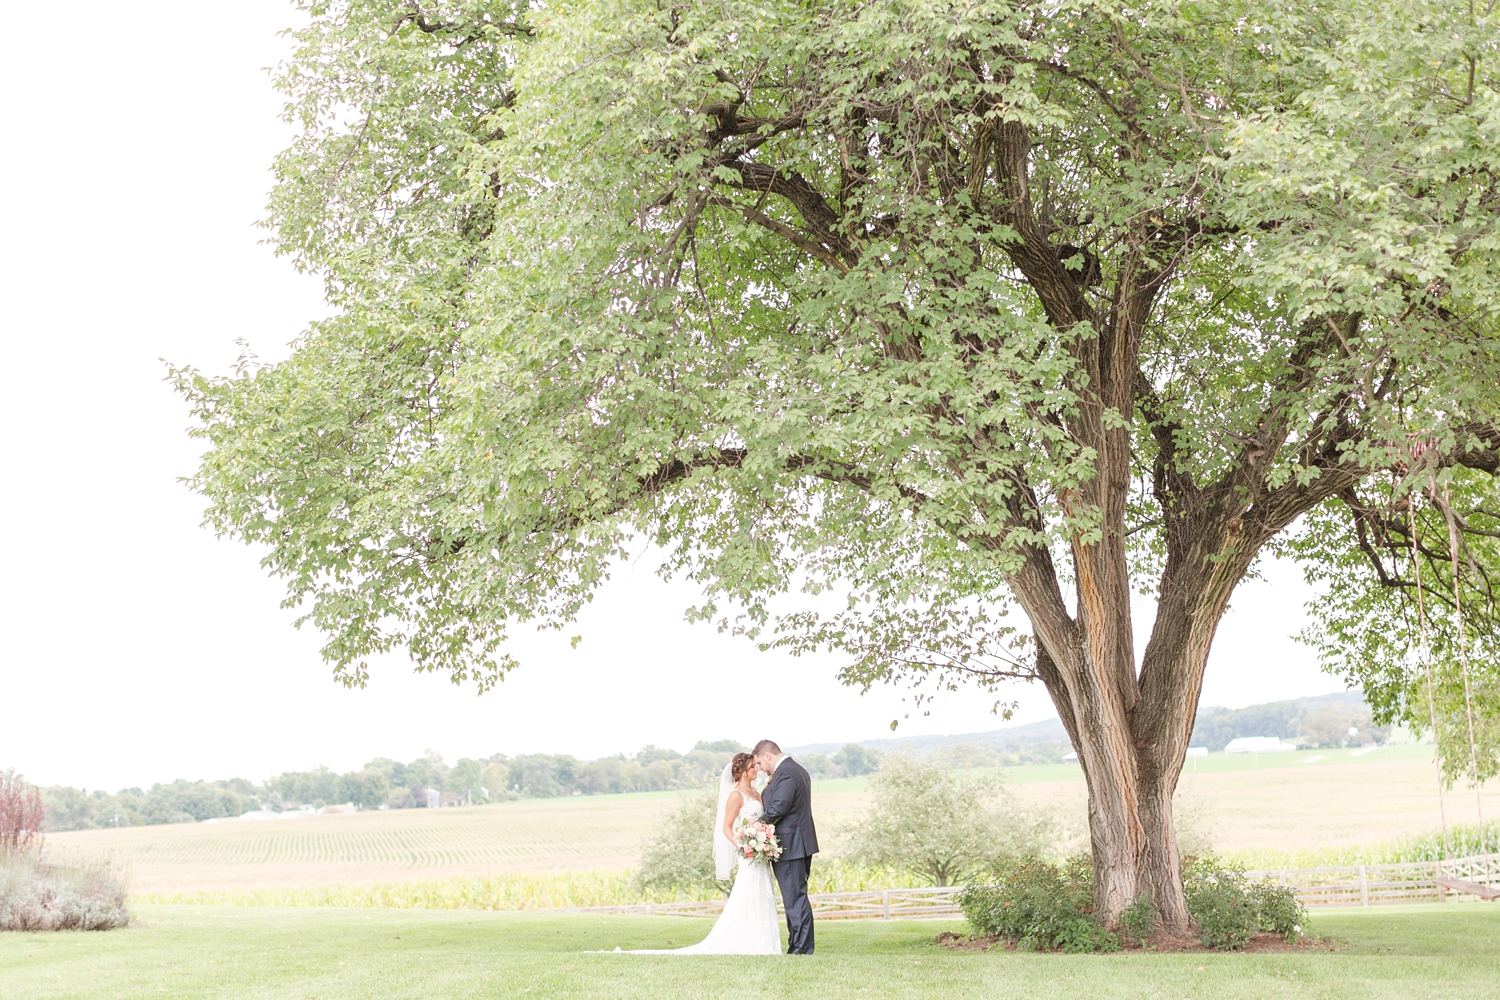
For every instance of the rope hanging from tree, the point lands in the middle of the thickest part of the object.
(1463, 654)
(1445, 506)
(1427, 667)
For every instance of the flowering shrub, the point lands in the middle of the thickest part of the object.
(1278, 909)
(1038, 905)
(1229, 908)
(1218, 902)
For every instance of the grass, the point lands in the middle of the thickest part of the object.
(1408, 953)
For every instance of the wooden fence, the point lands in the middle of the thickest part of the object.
(1375, 885)
(1351, 885)
(876, 904)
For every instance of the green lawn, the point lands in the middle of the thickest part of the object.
(1450, 951)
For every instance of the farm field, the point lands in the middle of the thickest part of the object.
(536, 836)
(1297, 803)
(1285, 808)
(1405, 953)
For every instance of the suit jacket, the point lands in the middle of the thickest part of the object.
(788, 804)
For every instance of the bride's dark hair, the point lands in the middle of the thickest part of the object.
(739, 765)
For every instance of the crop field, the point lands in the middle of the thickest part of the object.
(1286, 809)
(1298, 809)
(532, 836)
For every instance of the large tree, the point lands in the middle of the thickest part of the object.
(952, 307)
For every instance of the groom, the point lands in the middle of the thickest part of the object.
(788, 805)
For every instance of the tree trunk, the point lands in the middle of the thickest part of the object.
(1131, 730)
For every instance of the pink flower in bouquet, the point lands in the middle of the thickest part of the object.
(758, 841)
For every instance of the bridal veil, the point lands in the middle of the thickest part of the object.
(723, 849)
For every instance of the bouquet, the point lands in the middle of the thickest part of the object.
(757, 841)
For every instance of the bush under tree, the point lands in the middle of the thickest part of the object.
(1039, 905)
(928, 819)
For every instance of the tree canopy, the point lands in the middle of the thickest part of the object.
(951, 307)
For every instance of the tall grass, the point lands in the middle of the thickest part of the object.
(87, 895)
(1462, 841)
(514, 891)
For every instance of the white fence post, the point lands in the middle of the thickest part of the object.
(1364, 888)
(885, 903)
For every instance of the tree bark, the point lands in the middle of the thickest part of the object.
(1131, 730)
(1132, 738)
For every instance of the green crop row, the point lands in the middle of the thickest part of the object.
(509, 891)
(1458, 842)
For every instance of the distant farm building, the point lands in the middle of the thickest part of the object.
(1258, 744)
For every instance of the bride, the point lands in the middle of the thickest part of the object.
(748, 925)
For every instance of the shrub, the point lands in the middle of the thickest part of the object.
(1229, 908)
(1138, 920)
(1084, 936)
(42, 897)
(1037, 905)
(1278, 909)
(1223, 910)
(928, 819)
(22, 817)
(1050, 907)
(681, 857)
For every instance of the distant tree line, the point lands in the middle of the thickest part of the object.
(179, 802)
(385, 783)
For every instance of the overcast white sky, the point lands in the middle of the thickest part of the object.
(136, 647)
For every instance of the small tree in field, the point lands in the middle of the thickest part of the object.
(22, 817)
(681, 856)
(928, 820)
(983, 314)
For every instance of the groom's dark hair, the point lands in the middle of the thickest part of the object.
(766, 746)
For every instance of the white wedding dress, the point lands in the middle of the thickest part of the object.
(748, 924)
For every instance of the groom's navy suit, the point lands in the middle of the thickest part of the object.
(788, 804)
